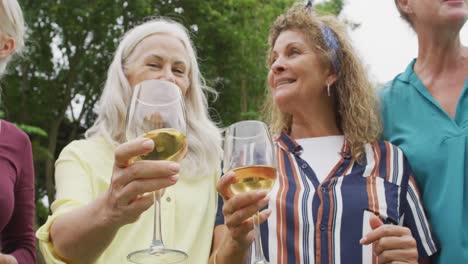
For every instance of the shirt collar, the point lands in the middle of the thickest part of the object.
(406, 75)
(287, 143)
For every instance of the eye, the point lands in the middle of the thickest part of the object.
(293, 52)
(178, 71)
(153, 65)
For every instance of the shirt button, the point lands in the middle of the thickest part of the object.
(323, 228)
(168, 199)
(304, 166)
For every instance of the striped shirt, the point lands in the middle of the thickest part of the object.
(322, 222)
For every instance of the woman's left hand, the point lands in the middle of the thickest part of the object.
(392, 243)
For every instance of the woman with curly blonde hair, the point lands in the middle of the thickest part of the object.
(341, 196)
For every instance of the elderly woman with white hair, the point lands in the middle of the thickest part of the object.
(16, 165)
(100, 214)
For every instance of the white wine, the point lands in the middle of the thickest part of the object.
(169, 144)
(259, 177)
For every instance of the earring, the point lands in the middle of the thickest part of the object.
(328, 89)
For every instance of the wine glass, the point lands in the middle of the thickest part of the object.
(249, 152)
(157, 112)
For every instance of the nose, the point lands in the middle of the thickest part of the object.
(167, 75)
(278, 66)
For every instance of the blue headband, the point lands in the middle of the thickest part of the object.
(331, 40)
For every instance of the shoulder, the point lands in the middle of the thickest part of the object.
(392, 88)
(398, 86)
(90, 148)
(384, 146)
(388, 154)
(391, 161)
(12, 133)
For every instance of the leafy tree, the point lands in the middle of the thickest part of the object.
(56, 83)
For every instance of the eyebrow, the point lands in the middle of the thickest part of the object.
(289, 45)
(179, 62)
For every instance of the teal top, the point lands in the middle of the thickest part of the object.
(437, 149)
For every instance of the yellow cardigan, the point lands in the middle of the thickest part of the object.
(83, 171)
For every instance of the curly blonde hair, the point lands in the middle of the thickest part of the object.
(356, 103)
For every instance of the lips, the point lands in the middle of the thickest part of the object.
(283, 81)
(453, 1)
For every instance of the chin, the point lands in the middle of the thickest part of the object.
(459, 19)
(283, 104)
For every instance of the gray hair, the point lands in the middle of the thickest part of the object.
(204, 138)
(11, 25)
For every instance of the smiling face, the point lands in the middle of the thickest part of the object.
(160, 57)
(297, 76)
(433, 12)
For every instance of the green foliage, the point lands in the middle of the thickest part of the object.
(332, 7)
(33, 130)
(42, 213)
(51, 89)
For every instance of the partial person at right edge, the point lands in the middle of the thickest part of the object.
(425, 113)
(16, 165)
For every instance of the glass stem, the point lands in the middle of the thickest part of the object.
(157, 245)
(259, 257)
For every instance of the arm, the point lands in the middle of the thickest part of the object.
(7, 259)
(232, 240)
(18, 235)
(81, 235)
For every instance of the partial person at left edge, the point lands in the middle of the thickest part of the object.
(16, 165)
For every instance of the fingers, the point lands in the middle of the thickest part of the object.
(139, 205)
(243, 232)
(243, 200)
(224, 183)
(384, 231)
(125, 152)
(146, 169)
(399, 256)
(375, 222)
(243, 208)
(129, 181)
(142, 203)
(263, 216)
(391, 243)
(135, 188)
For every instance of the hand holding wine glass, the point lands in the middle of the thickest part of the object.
(124, 201)
(250, 172)
(157, 112)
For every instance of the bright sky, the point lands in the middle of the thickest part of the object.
(386, 44)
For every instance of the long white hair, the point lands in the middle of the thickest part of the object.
(11, 25)
(204, 138)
